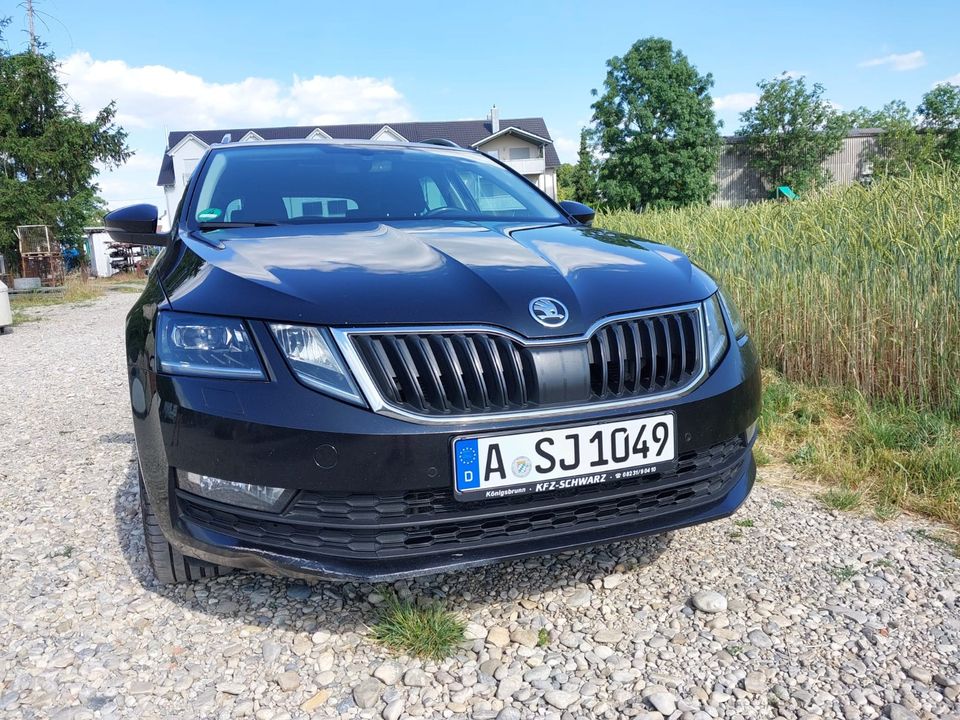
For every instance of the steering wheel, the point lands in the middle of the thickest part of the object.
(441, 210)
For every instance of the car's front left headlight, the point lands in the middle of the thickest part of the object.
(716, 329)
(313, 359)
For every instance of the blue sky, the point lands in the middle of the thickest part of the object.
(183, 65)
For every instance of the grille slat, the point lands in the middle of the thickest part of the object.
(476, 372)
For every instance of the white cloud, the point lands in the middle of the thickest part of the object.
(567, 148)
(153, 99)
(735, 102)
(156, 95)
(898, 62)
(952, 80)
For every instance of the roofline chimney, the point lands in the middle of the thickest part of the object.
(494, 120)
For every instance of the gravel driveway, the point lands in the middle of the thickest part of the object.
(813, 613)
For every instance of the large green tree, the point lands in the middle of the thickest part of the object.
(902, 148)
(790, 130)
(49, 155)
(940, 115)
(655, 129)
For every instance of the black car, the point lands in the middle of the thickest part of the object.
(372, 360)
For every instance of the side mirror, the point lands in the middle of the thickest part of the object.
(135, 225)
(578, 211)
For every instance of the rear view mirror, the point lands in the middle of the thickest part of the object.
(578, 211)
(135, 225)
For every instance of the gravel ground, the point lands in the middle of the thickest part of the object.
(806, 613)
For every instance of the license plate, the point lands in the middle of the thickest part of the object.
(531, 462)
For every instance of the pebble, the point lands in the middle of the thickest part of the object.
(498, 636)
(367, 693)
(388, 672)
(288, 681)
(663, 702)
(560, 699)
(393, 710)
(709, 601)
(525, 637)
(416, 678)
(316, 701)
(755, 683)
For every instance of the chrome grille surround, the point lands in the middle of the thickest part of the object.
(591, 339)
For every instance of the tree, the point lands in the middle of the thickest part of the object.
(789, 132)
(940, 114)
(48, 153)
(655, 128)
(581, 179)
(902, 148)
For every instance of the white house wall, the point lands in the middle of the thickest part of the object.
(188, 153)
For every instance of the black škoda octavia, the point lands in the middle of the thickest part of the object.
(370, 360)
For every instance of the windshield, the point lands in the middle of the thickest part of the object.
(322, 183)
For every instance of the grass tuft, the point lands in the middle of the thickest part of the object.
(543, 637)
(840, 499)
(886, 454)
(425, 631)
(746, 522)
(843, 573)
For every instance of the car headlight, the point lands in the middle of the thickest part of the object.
(736, 320)
(313, 360)
(206, 346)
(716, 329)
(255, 497)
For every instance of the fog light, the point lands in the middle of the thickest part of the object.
(255, 497)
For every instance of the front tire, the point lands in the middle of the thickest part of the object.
(169, 565)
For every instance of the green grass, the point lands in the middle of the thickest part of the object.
(843, 572)
(841, 499)
(853, 286)
(76, 291)
(883, 454)
(543, 637)
(426, 631)
(747, 523)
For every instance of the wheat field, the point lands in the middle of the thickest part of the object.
(853, 286)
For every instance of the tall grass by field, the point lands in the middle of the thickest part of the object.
(854, 286)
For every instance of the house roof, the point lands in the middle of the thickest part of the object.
(466, 133)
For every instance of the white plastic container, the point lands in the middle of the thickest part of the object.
(6, 317)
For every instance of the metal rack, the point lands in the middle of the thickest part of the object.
(40, 255)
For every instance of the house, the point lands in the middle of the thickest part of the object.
(522, 143)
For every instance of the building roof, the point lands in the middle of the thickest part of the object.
(466, 133)
(854, 133)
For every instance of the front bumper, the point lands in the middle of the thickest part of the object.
(374, 494)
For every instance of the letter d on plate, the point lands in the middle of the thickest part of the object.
(468, 465)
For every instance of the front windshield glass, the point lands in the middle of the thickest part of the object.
(321, 183)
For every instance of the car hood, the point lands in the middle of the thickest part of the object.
(420, 273)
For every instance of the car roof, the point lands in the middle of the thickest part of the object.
(343, 142)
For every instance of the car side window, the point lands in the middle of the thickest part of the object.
(431, 191)
(488, 195)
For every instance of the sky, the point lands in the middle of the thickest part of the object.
(183, 65)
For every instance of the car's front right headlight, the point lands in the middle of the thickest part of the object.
(206, 346)
(313, 359)
(716, 329)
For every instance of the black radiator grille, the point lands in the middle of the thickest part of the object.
(462, 373)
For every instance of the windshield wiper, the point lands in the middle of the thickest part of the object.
(226, 225)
